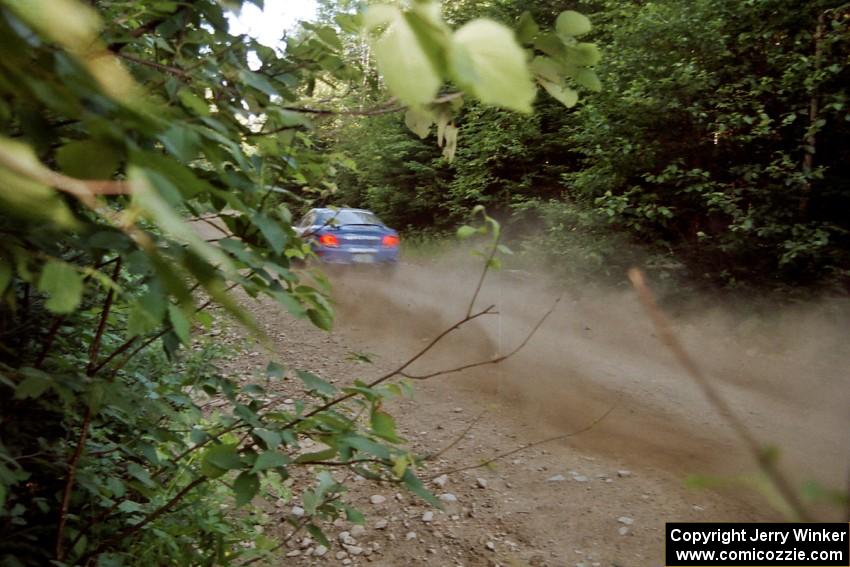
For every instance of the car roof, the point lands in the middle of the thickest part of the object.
(340, 209)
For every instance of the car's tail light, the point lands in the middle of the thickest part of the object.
(329, 240)
(390, 241)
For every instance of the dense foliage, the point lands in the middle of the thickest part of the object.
(716, 147)
(119, 122)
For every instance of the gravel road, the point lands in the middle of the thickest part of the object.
(602, 496)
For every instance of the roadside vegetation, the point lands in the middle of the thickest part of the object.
(713, 152)
(707, 139)
(121, 123)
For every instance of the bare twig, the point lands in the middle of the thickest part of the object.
(130, 342)
(484, 271)
(122, 348)
(94, 348)
(296, 529)
(496, 360)
(206, 220)
(83, 189)
(84, 429)
(147, 520)
(847, 496)
(747, 438)
(48, 342)
(398, 371)
(382, 109)
(457, 439)
(158, 66)
(69, 484)
(57, 322)
(499, 456)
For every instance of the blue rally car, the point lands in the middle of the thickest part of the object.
(349, 236)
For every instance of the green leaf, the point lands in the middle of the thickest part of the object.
(218, 459)
(316, 457)
(69, 23)
(405, 65)
(130, 507)
(546, 68)
(193, 102)
(180, 323)
(275, 370)
(412, 482)
(33, 386)
(321, 318)
(315, 384)
(22, 190)
(63, 284)
(383, 425)
(271, 438)
(159, 211)
(328, 35)
(245, 487)
(272, 231)
(565, 95)
(349, 23)
(351, 514)
(526, 29)
(588, 79)
(289, 118)
(571, 24)
(486, 60)
(550, 44)
(147, 313)
(270, 460)
(88, 159)
(466, 231)
(181, 141)
(400, 463)
(419, 121)
(165, 168)
(289, 301)
(584, 54)
(258, 82)
(141, 474)
(366, 445)
(317, 533)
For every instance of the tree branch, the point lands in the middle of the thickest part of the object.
(457, 439)
(48, 342)
(375, 111)
(94, 349)
(396, 372)
(148, 519)
(483, 275)
(69, 484)
(713, 395)
(158, 66)
(496, 360)
(499, 456)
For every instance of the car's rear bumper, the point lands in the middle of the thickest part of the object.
(357, 255)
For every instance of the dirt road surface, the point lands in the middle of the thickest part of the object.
(600, 497)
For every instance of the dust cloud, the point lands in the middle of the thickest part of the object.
(784, 371)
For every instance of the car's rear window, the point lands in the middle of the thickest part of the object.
(349, 217)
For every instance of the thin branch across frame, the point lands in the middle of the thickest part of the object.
(765, 461)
